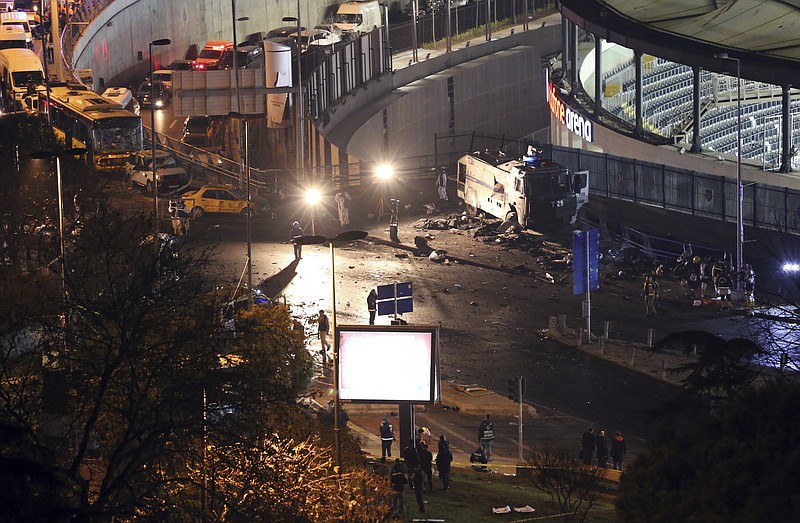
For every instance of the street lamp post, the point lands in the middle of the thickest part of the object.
(300, 109)
(57, 155)
(347, 236)
(739, 187)
(249, 217)
(154, 43)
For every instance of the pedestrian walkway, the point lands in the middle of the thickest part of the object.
(406, 58)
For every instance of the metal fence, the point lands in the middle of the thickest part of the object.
(683, 190)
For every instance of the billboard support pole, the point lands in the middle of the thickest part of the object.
(406, 417)
(520, 382)
(337, 438)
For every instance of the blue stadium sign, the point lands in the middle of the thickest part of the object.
(585, 266)
(395, 299)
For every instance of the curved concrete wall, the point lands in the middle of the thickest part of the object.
(115, 43)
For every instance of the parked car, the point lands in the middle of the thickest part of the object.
(195, 130)
(164, 76)
(247, 57)
(162, 95)
(222, 199)
(181, 65)
(283, 32)
(170, 176)
(315, 39)
(253, 39)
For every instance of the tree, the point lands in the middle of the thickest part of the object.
(738, 466)
(722, 368)
(278, 479)
(574, 486)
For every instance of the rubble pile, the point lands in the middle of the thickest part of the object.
(548, 256)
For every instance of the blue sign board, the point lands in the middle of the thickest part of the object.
(585, 261)
(395, 299)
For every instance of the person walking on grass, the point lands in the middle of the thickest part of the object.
(399, 481)
(444, 459)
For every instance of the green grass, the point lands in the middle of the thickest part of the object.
(473, 494)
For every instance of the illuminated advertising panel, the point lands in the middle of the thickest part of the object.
(388, 364)
(575, 122)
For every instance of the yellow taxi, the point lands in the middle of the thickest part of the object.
(216, 199)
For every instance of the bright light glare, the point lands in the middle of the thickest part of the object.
(384, 171)
(791, 267)
(313, 196)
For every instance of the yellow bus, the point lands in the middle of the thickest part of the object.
(85, 119)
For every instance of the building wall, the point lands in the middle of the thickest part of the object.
(115, 44)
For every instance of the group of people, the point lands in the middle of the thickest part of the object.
(591, 443)
(699, 275)
(416, 467)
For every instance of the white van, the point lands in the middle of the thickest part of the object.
(13, 37)
(18, 18)
(357, 18)
(20, 72)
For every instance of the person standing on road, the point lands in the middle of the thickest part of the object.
(387, 438)
(444, 459)
(426, 464)
(441, 185)
(342, 199)
(587, 446)
(650, 294)
(486, 436)
(323, 328)
(294, 233)
(399, 481)
(372, 305)
(618, 450)
(602, 449)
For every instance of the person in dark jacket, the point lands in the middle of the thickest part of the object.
(372, 305)
(618, 450)
(387, 438)
(443, 460)
(411, 456)
(295, 233)
(486, 436)
(426, 464)
(587, 446)
(418, 479)
(399, 481)
(602, 449)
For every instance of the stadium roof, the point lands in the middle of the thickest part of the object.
(763, 34)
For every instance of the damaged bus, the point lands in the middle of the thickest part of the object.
(530, 190)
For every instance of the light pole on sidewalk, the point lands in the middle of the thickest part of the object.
(347, 236)
(154, 43)
(739, 187)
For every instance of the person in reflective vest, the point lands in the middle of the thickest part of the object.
(486, 436)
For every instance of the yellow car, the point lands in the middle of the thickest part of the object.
(217, 198)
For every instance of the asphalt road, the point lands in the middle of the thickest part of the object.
(489, 317)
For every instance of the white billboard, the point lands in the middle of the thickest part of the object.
(394, 364)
